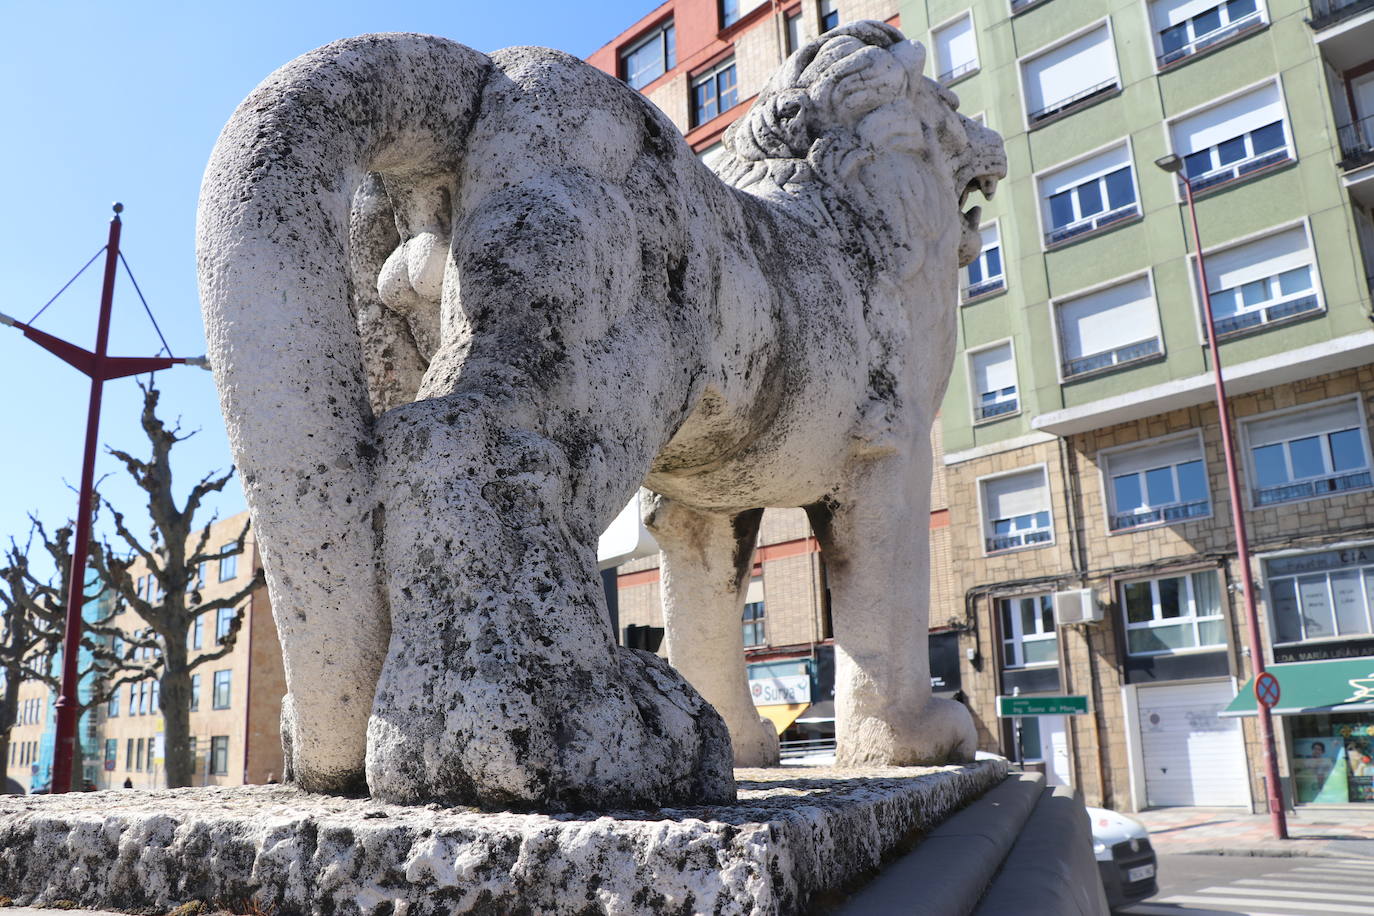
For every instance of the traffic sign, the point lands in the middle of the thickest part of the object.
(1009, 707)
(1267, 690)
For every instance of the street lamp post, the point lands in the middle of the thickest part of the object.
(1173, 164)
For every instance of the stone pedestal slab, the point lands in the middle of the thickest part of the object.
(796, 836)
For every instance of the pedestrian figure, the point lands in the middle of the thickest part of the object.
(128, 782)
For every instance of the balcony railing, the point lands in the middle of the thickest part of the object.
(1329, 12)
(1316, 486)
(1062, 234)
(1242, 26)
(1018, 6)
(1177, 512)
(1237, 170)
(961, 70)
(1021, 539)
(1244, 321)
(1357, 143)
(988, 411)
(1073, 102)
(1121, 356)
(982, 288)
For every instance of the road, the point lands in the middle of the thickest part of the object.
(1260, 886)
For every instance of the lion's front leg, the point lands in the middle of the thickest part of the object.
(876, 546)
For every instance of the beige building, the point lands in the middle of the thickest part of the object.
(236, 700)
(26, 738)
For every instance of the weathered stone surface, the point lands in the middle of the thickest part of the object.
(794, 834)
(569, 304)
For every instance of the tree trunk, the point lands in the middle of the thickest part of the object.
(176, 716)
(9, 714)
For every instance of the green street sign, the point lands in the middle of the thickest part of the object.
(1009, 707)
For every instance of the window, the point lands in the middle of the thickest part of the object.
(219, 755)
(1016, 511)
(1233, 139)
(149, 760)
(129, 754)
(1184, 27)
(1322, 596)
(133, 699)
(754, 632)
(220, 700)
(112, 706)
(1263, 282)
(956, 49)
(155, 697)
(714, 92)
(1173, 614)
(993, 372)
(142, 698)
(830, 16)
(984, 276)
(195, 692)
(138, 586)
(138, 756)
(224, 622)
(650, 57)
(1308, 453)
(1029, 638)
(1088, 195)
(712, 155)
(794, 21)
(1066, 77)
(1112, 327)
(198, 632)
(732, 11)
(229, 566)
(1156, 484)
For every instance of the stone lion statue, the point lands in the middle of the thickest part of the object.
(461, 306)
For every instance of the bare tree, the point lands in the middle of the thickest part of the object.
(35, 618)
(174, 558)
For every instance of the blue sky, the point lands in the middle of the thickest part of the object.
(123, 101)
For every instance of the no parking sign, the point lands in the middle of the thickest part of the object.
(1267, 690)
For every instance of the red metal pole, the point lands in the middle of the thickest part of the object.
(68, 702)
(1266, 722)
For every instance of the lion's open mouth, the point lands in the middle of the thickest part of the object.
(970, 242)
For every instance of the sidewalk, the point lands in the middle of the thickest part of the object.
(1231, 831)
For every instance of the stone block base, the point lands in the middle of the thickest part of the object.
(795, 837)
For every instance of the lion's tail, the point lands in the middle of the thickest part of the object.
(272, 240)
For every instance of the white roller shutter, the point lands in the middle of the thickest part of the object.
(955, 45)
(1228, 120)
(1301, 423)
(1095, 166)
(1154, 456)
(1069, 69)
(1191, 756)
(1108, 319)
(1264, 257)
(1166, 13)
(1016, 494)
(993, 369)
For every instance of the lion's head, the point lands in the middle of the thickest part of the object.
(852, 110)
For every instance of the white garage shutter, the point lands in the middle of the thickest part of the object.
(1192, 757)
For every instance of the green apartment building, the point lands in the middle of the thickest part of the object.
(1091, 544)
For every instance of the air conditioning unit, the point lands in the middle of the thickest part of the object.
(1076, 606)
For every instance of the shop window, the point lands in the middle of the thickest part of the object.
(1308, 453)
(1321, 596)
(1173, 614)
(714, 92)
(755, 633)
(219, 755)
(956, 49)
(993, 373)
(1183, 28)
(1108, 329)
(1233, 139)
(1332, 758)
(1088, 196)
(1156, 484)
(1016, 511)
(1070, 75)
(829, 14)
(1029, 638)
(985, 275)
(1263, 282)
(650, 57)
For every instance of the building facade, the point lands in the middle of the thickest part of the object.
(1092, 545)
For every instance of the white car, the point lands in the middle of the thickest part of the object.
(1121, 845)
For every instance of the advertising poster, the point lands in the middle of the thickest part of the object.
(1319, 771)
(1359, 758)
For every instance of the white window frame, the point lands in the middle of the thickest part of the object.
(657, 33)
(1108, 479)
(1158, 621)
(963, 71)
(1267, 323)
(227, 682)
(975, 396)
(986, 523)
(965, 286)
(1053, 45)
(1366, 573)
(1220, 38)
(1247, 424)
(1042, 200)
(1060, 359)
(1290, 148)
(1017, 638)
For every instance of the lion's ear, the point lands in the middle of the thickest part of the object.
(912, 55)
